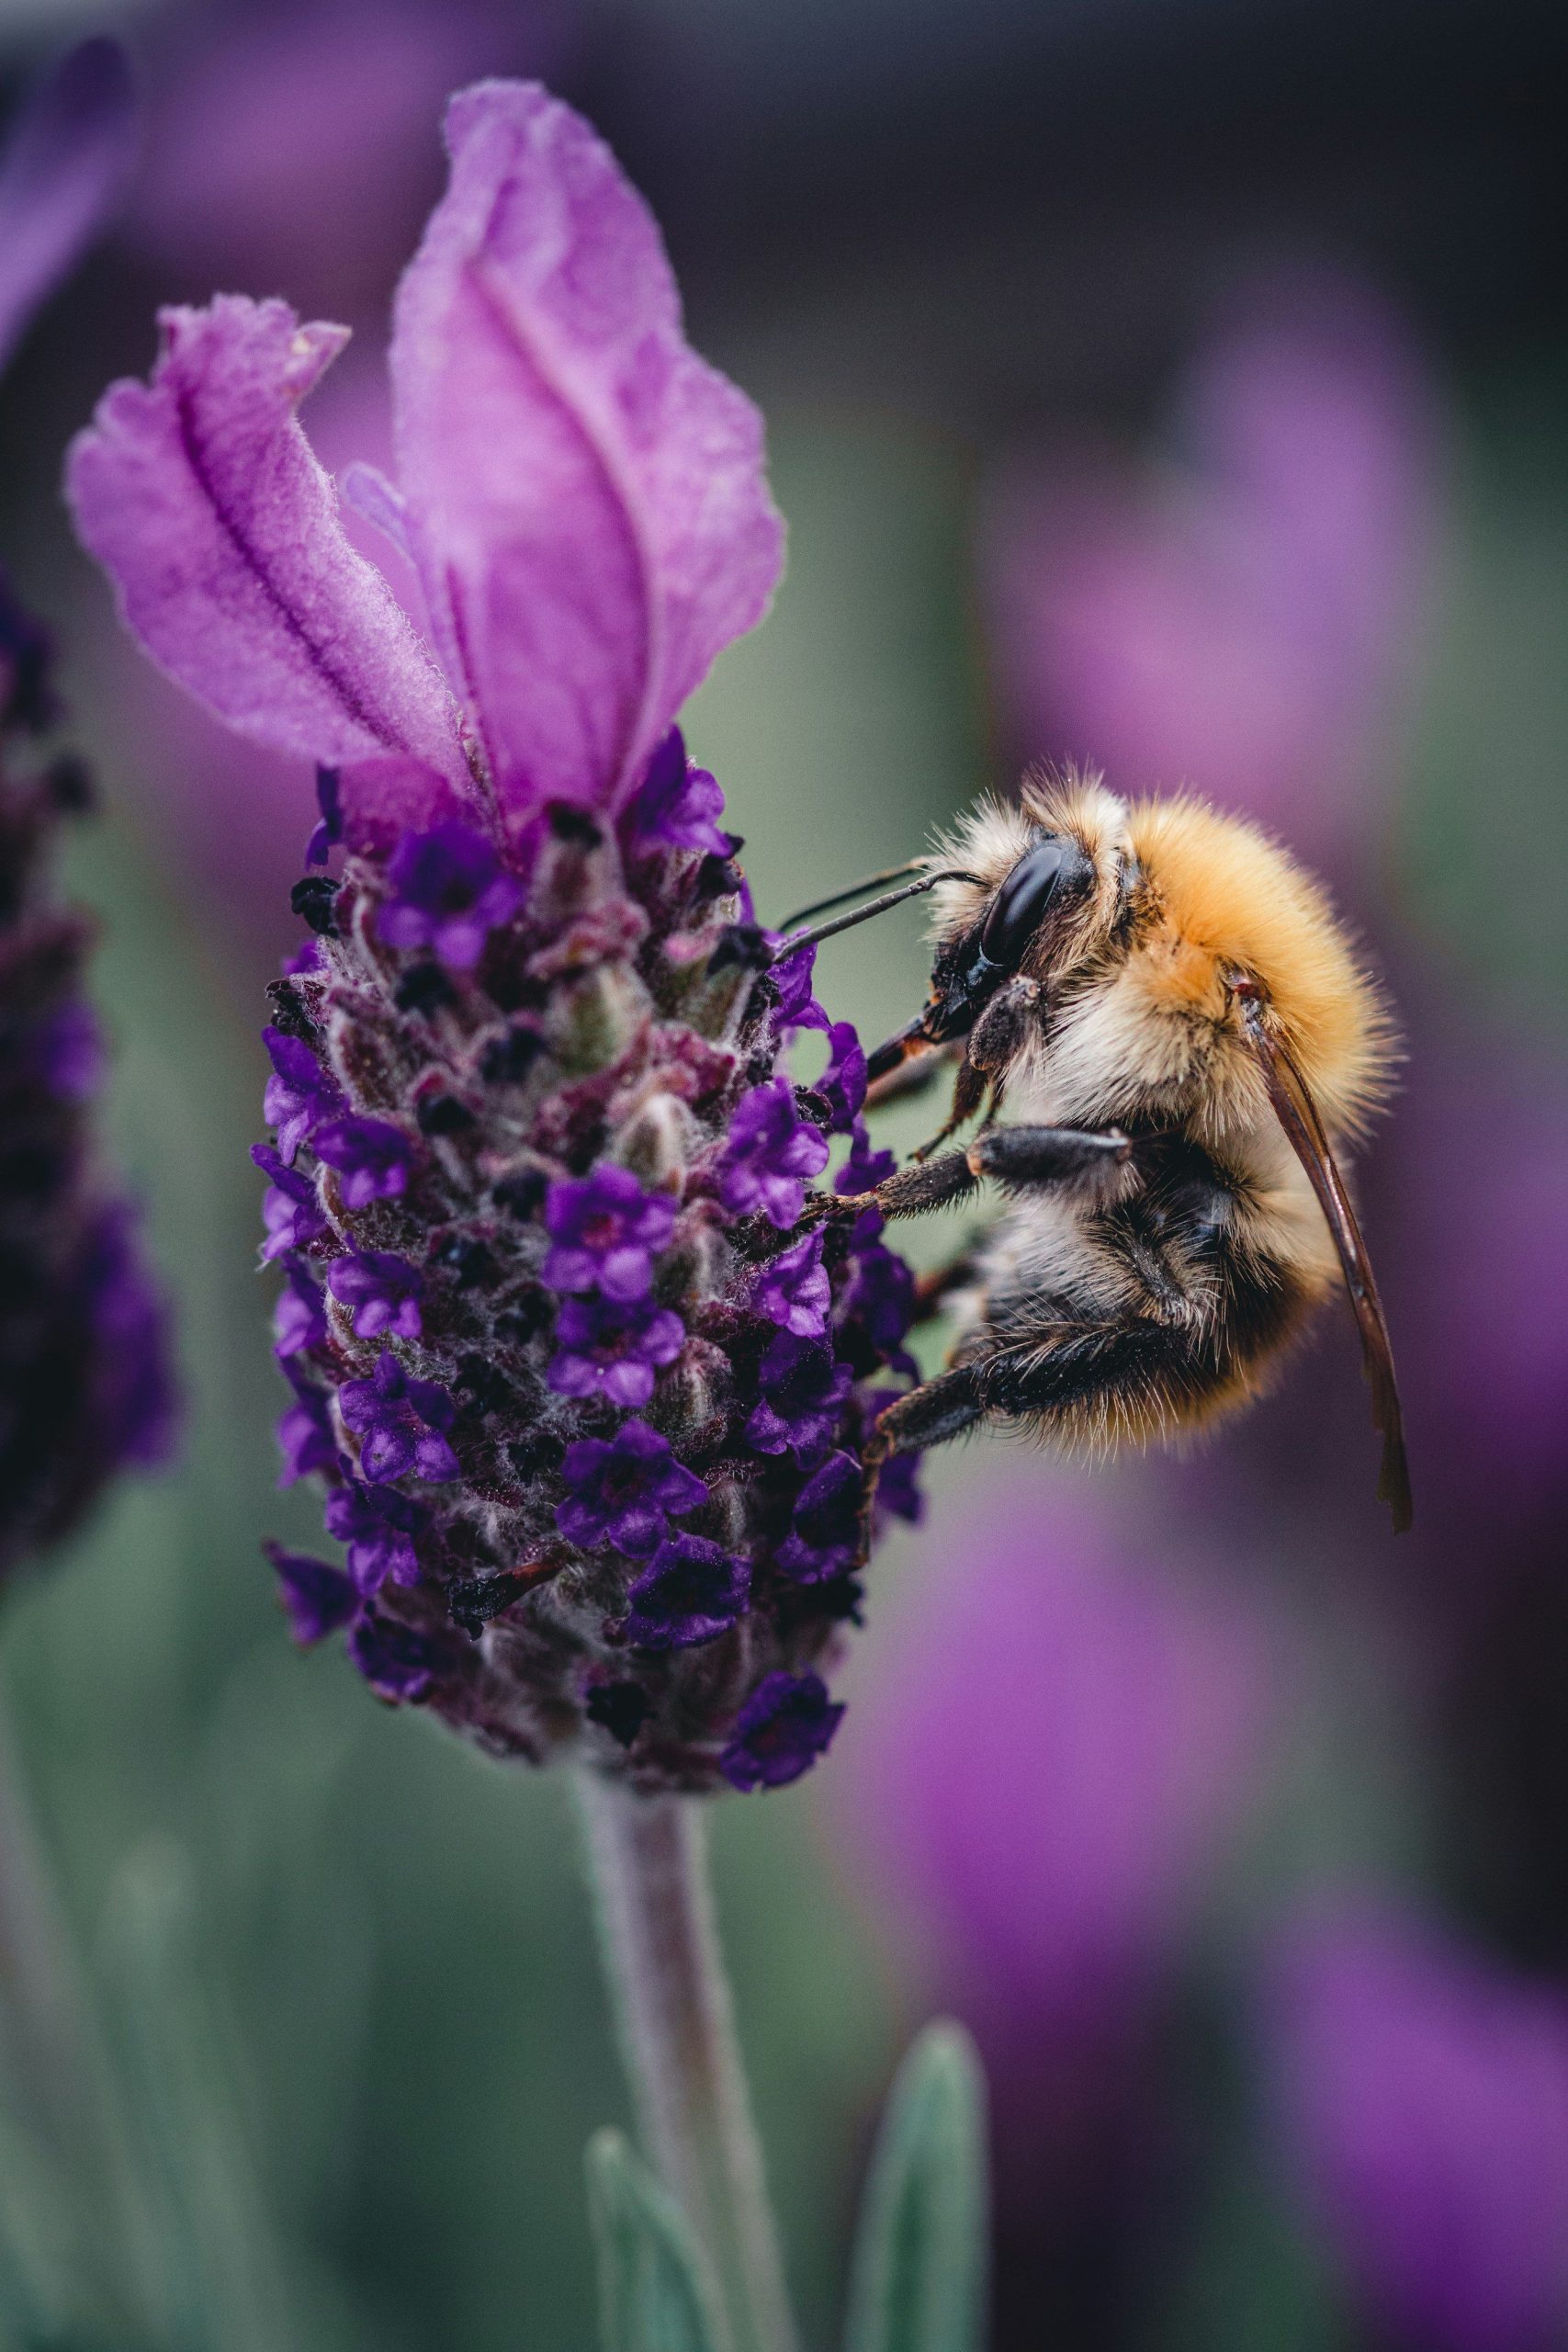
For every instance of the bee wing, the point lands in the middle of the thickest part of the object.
(1297, 1114)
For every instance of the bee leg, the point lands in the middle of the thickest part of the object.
(939, 1410)
(1072, 1161)
(968, 1093)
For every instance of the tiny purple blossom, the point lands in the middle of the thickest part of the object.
(605, 1231)
(381, 1289)
(878, 1302)
(378, 1525)
(797, 1008)
(824, 1529)
(772, 1150)
(449, 892)
(613, 1349)
(370, 1155)
(622, 1489)
(794, 1289)
(298, 1320)
(691, 1592)
(865, 1168)
(398, 1662)
(290, 1210)
(676, 806)
(842, 1083)
(305, 1432)
(803, 1393)
(300, 1093)
(317, 1596)
(787, 1724)
(400, 1423)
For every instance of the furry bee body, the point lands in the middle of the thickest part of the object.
(1182, 1038)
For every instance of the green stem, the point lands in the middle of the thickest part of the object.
(676, 2025)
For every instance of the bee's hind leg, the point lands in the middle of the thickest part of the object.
(939, 1410)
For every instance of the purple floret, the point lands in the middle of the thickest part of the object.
(305, 1431)
(691, 1592)
(878, 1302)
(317, 1596)
(865, 1168)
(400, 1423)
(605, 1231)
(802, 1396)
(449, 891)
(677, 805)
(621, 1491)
(787, 1724)
(771, 1152)
(381, 1290)
(328, 831)
(825, 1530)
(297, 1319)
(797, 1008)
(794, 1290)
(842, 1083)
(300, 1093)
(371, 1156)
(378, 1525)
(608, 1348)
(290, 1210)
(398, 1662)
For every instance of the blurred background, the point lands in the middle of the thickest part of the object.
(1179, 387)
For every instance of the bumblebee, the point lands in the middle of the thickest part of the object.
(1169, 1009)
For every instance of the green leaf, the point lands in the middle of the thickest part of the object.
(654, 2292)
(921, 2262)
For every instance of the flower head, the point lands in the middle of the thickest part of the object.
(559, 1358)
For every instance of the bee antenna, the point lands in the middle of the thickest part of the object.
(799, 939)
(842, 897)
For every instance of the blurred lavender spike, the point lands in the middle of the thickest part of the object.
(919, 2276)
(61, 169)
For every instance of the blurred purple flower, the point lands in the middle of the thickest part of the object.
(290, 1208)
(1423, 2110)
(1046, 1811)
(691, 1592)
(1243, 624)
(803, 1393)
(299, 1319)
(65, 159)
(377, 1526)
(300, 1093)
(317, 1598)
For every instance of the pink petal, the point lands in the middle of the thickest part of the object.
(587, 497)
(199, 495)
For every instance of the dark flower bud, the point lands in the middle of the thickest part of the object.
(314, 899)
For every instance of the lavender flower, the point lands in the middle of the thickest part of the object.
(300, 1094)
(691, 1592)
(605, 1230)
(299, 1319)
(677, 805)
(770, 1151)
(371, 1157)
(825, 1526)
(449, 892)
(381, 1289)
(794, 1289)
(842, 1084)
(608, 1348)
(622, 1490)
(562, 1138)
(787, 1724)
(400, 1423)
(318, 1598)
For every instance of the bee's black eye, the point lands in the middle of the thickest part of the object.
(1018, 907)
